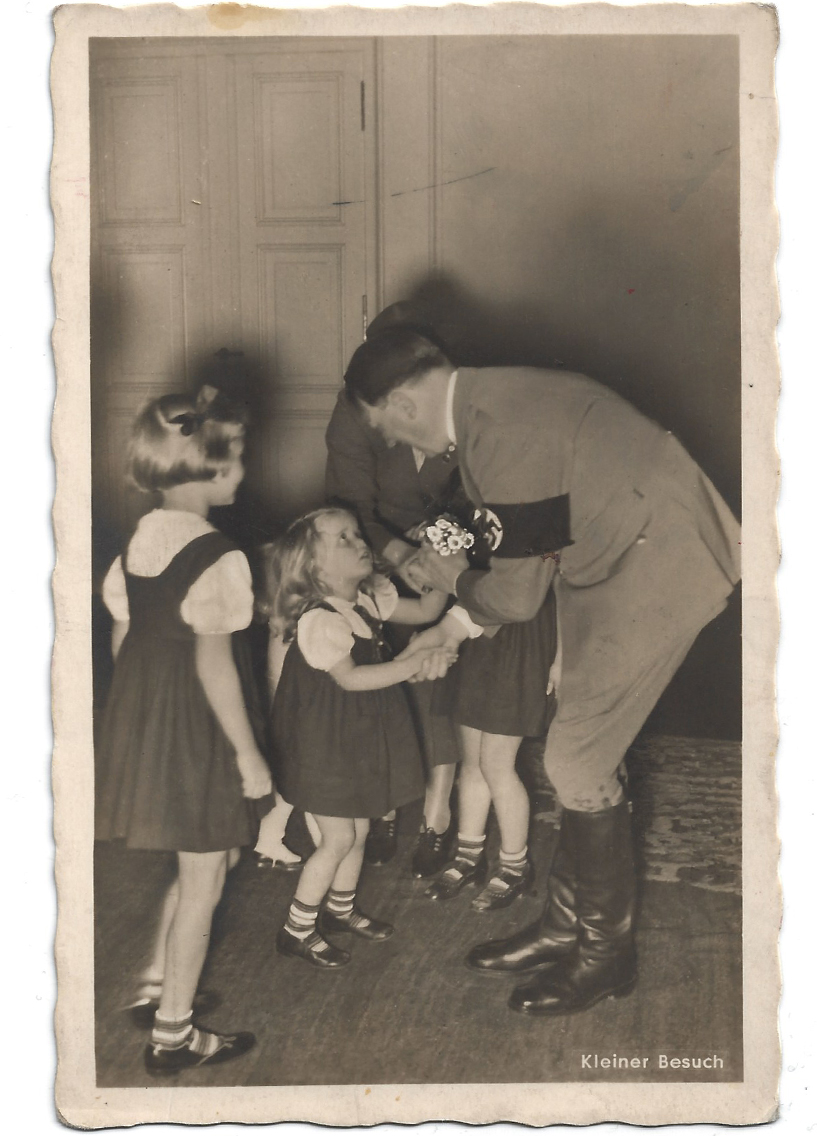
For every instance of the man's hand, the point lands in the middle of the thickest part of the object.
(443, 654)
(436, 665)
(428, 569)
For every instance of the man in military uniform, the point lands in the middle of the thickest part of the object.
(582, 493)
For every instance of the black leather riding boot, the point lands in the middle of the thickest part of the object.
(602, 961)
(553, 934)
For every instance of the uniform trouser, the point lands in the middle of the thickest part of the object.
(622, 640)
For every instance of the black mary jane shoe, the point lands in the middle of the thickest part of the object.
(355, 923)
(163, 1062)
(503, 888)
(314, 949)
(431, 853)
(457, 875)
(381, 843)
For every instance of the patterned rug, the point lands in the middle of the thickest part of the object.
(686, 795)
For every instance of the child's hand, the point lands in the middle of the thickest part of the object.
(256, 779)
(416, 662)
(434, 664)
(431, 637)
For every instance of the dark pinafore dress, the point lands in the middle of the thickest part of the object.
(166, 772)
(499, 683)
(342, 753)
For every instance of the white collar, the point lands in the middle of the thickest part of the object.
(449, 409)
(346, 608)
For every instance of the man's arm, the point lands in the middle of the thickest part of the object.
(351, 474)
(519, 472)
(510, 591)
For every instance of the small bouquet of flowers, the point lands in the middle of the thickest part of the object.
(446, 536)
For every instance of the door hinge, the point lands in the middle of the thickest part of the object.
(362, 105)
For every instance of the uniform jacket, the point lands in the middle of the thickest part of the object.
(597, 477)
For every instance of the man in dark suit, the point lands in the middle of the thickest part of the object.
(391, 488)
(580, 492)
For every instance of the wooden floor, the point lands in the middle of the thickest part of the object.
(407, 1010)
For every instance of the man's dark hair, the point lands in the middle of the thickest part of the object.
(389, 359)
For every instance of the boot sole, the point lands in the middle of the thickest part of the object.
(546, 1012)
(537, 968)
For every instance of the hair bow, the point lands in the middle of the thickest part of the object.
(191, 420)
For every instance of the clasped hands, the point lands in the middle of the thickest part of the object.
(426, 570)
(435, 653)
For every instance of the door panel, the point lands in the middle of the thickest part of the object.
(232, 207)
(149, 248)
(303, 184)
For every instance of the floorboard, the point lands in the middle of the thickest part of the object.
(407, 1010)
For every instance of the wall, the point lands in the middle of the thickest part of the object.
(584, 213)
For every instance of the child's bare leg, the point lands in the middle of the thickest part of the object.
(348, 872)
(298, 936)
(201, 880)
(313, 829)
(509, 796)
(474, 795)
(337, 840)
(437, 807)
(342, 913)
(498, 758)
(468, 865)
(154, 972)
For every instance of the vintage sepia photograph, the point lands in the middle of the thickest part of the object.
(419, 402)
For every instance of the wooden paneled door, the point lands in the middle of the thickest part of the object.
(233, 206)
(305, 204)
(149, 249)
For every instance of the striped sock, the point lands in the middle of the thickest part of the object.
(301, 918)
(469, 850)
(511, 869)
(340, 902)
(467, 856)
(513, 862)
(169, 1034)
(205, 1043)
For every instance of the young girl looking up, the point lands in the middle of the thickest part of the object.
(178, 759)
(345, 739)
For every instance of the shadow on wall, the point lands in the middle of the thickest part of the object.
(704, 698)
(254, 518)
(497, 333)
